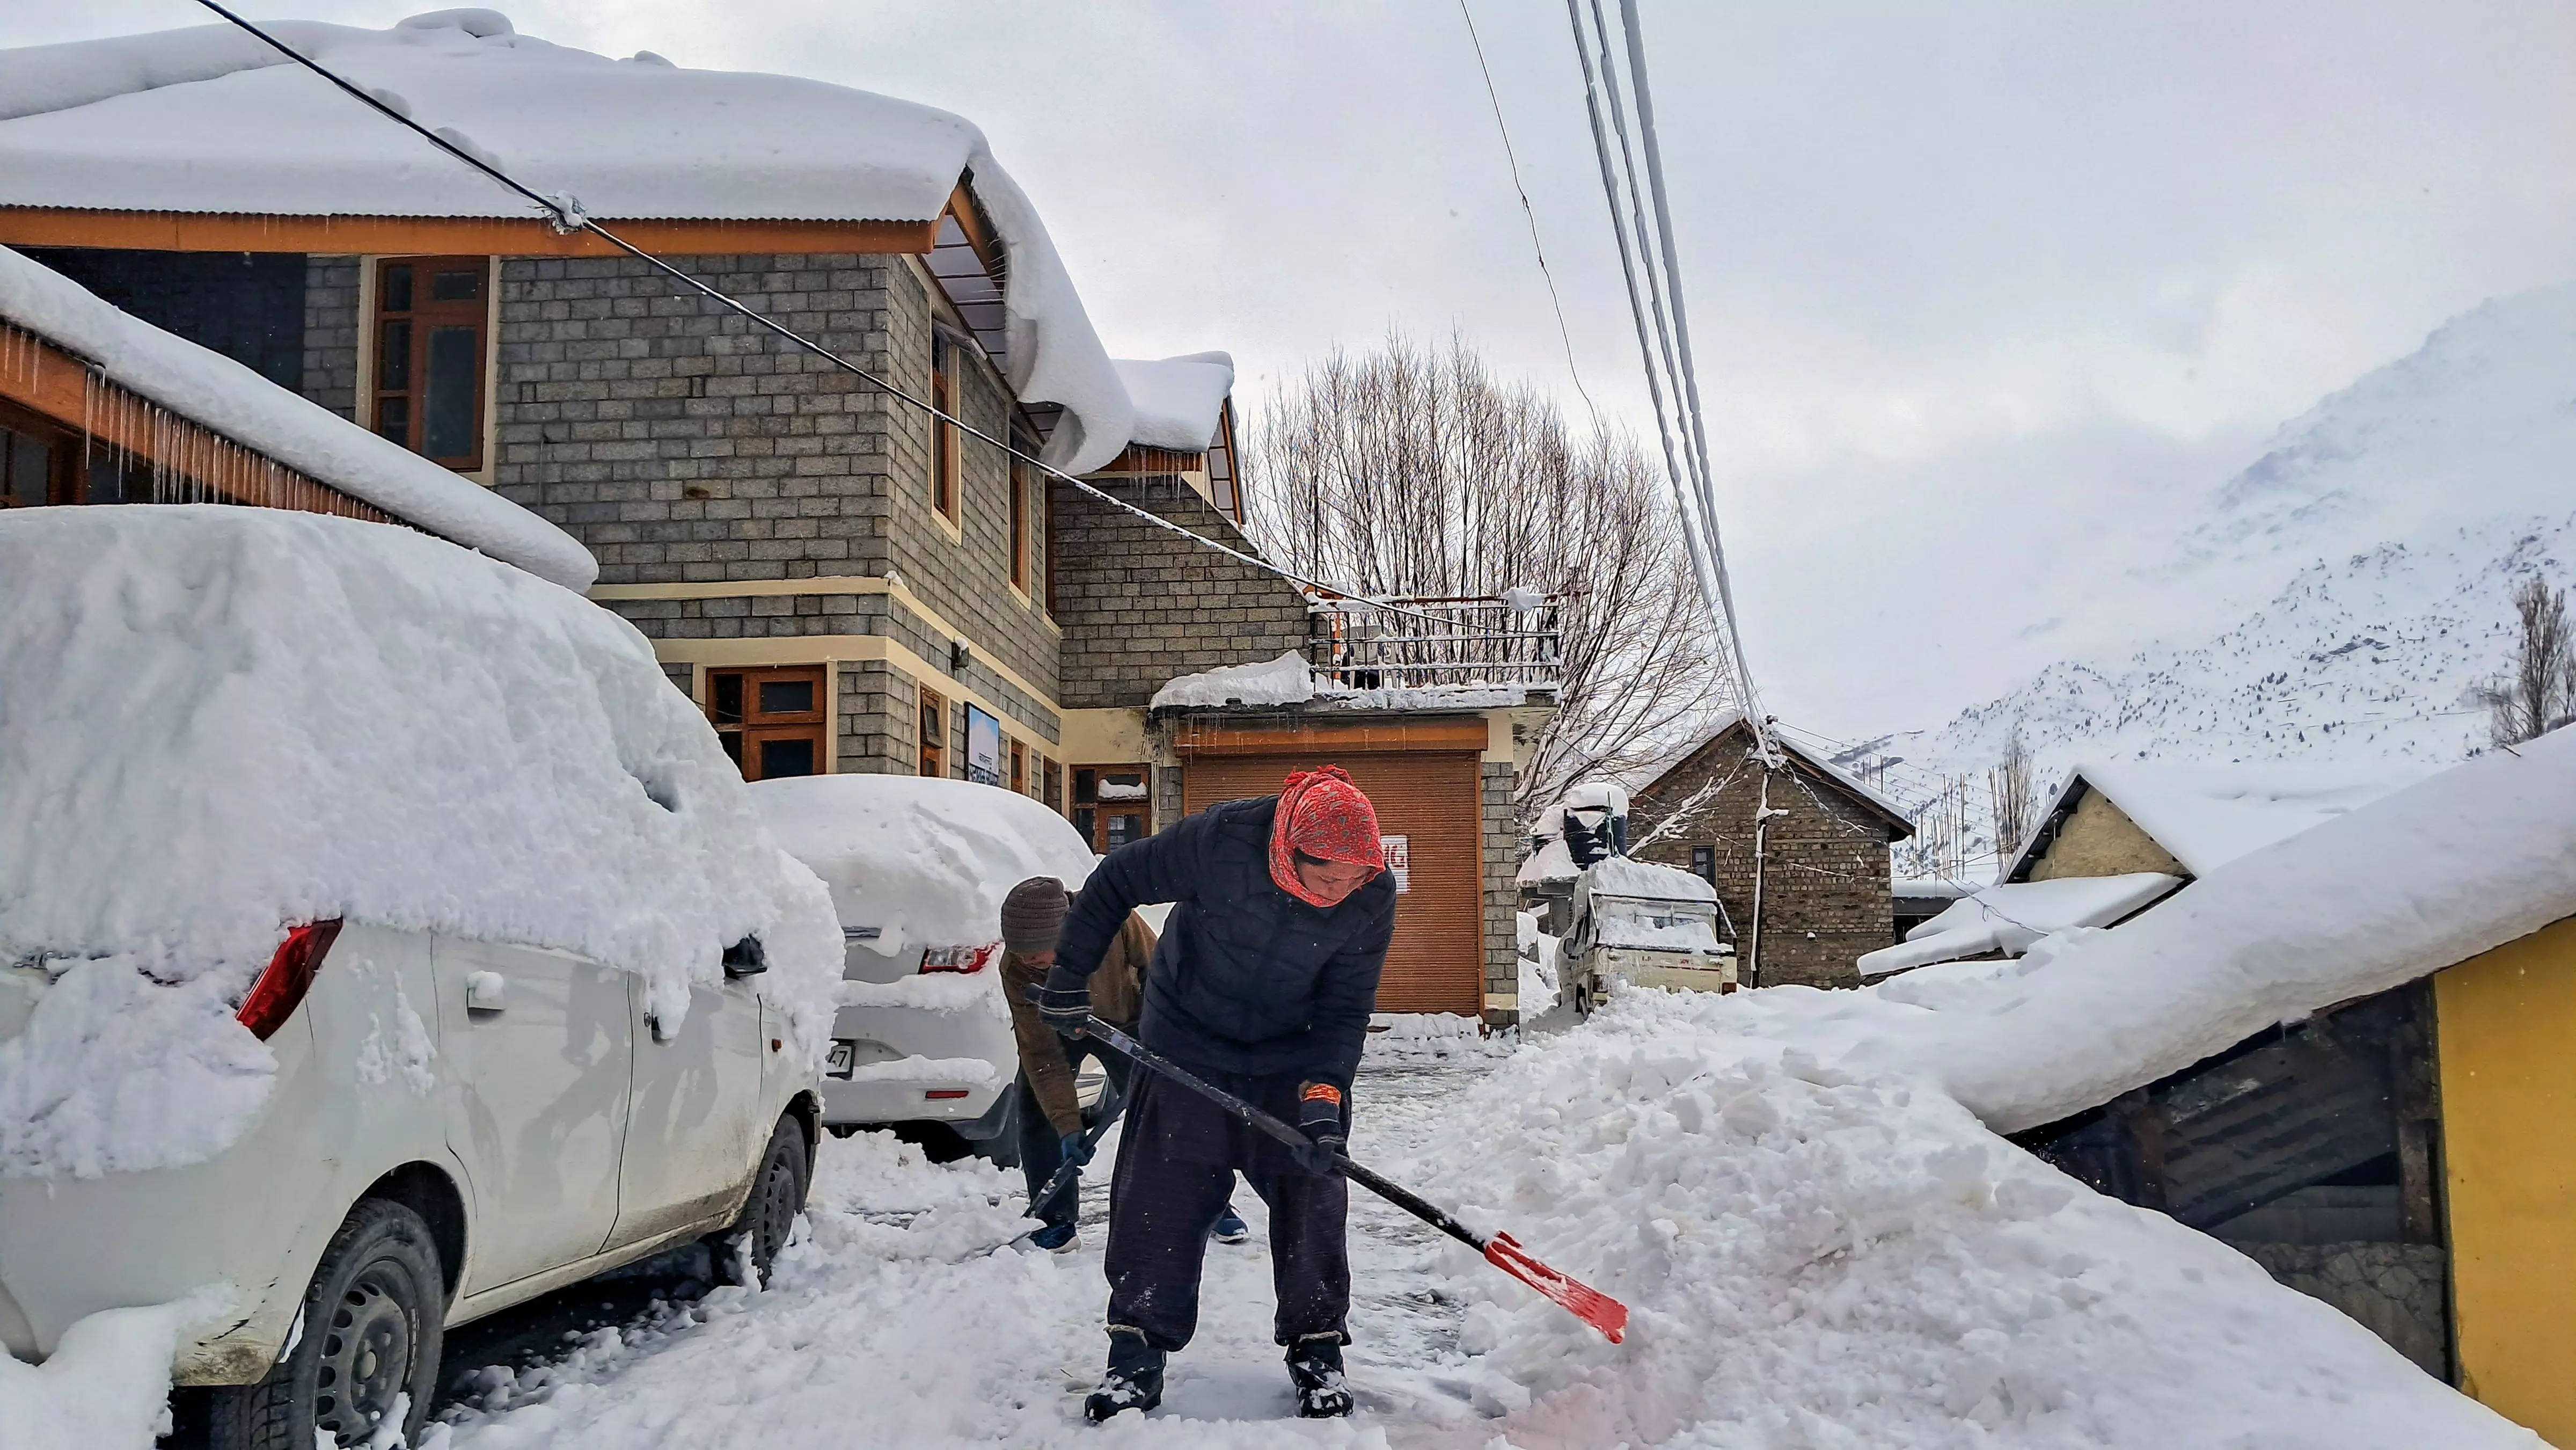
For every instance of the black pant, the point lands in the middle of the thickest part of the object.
(1042, 1148)
(1176, 1164)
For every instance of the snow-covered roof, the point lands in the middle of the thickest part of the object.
(1286, 680)
(1177, 399)
(1732, 720)
(213, 390)
(2010, 918)
(2205, 816)
(924, 861)
(295, 717)
(208, 119)
(1933, 887)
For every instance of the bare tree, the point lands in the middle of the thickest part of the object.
(1412, 471)
(1944, 832)
(2537, 693)
(2010, 791)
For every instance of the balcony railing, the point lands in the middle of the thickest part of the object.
(1413, 644)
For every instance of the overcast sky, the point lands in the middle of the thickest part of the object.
(1979, 289)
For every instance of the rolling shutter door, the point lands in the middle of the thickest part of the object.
(1437, 962)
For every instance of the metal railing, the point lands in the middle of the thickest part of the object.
(1388, 644)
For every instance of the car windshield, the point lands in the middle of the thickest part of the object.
(1678, 926)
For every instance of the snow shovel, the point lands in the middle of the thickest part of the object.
(1110, 1102)
(1502, 1251)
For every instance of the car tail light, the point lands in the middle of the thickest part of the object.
(960, 959)
(941, 1095)
(280, 989)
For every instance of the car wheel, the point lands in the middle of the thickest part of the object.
(372, 1327)
(769, 1215)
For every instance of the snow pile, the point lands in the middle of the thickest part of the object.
(1428, 1036)
(1177, 399)
(1627, 876)
(213, 390)
(293, 717)
(924, 861)
(1283, 681)
(207, 120)
(976, 992)
(2208, 815)
(2010, 918)
(1814, 1259)
(107, 1385)
(1538, 964)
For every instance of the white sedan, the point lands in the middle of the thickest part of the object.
(918, 868)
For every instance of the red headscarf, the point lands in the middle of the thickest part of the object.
(1322, 814)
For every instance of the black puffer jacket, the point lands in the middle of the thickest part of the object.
(1247, 978)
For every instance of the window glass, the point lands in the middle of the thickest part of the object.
(28, 463)
(779, 697)
(393, 357)
(786, 757)
(455, 371)
(456, 286)
(1086, 787)
(727, 707)
(1124, 826)
(395, 292)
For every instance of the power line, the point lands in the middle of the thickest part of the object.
(1528, 213)
(564, 211)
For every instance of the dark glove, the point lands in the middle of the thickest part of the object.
(1319, 1117)
(1063, 1007)
(1077, 1149)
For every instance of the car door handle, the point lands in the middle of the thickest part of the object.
(485, 991)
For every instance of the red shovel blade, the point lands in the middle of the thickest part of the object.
(1585, 1302)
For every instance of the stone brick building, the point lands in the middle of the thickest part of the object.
(844, 582)
(1822, 875)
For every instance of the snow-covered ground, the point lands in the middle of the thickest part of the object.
(1813, 1260)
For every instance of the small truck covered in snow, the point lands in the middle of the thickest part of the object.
(1648, 925)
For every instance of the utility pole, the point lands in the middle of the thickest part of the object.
(1762, 814)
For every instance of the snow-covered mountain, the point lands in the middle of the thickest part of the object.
(2336, 598)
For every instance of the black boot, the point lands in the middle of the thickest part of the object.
(1315, 1368)
(1134, 1379)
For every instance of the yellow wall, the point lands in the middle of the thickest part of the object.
(2507, 1031)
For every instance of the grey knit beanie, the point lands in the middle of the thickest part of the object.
(1033, 914)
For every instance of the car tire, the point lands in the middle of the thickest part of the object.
(769, 1214)
(372, 1326)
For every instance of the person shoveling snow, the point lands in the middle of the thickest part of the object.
(1264, 981)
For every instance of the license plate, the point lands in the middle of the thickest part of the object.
(841, 1059)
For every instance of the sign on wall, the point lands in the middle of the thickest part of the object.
(1399, 861)
(983, 747)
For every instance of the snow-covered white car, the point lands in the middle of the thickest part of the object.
(918, 869)
(383, 942)
(1648, 925)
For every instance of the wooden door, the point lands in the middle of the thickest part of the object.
(1437, 962)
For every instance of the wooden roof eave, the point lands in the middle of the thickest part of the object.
(163, 231)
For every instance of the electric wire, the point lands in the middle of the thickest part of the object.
(564, 211)
(1528, 213)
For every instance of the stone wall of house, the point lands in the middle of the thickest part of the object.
(963, 576)
(1825, 881)
(1502, 854)
(330, 367)
(1139, 605)
(678, 441)
(877, 725)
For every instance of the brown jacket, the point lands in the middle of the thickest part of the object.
(1117, 996)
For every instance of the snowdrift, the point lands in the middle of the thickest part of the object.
(217, 722)
(1816, 1259)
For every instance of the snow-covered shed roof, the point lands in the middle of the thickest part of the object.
(2009, 919)
(210, 120)
(2205, 816)
(1177, 399)
(222, 395)
(1841, 778)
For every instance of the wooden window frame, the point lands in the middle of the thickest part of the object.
(1019, 767)
(1091, 816)
(425, 312)
(744, 726)
(63, 483)
(930, 722)
(947, 442)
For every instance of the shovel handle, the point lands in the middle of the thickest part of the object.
(1394, 1193)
